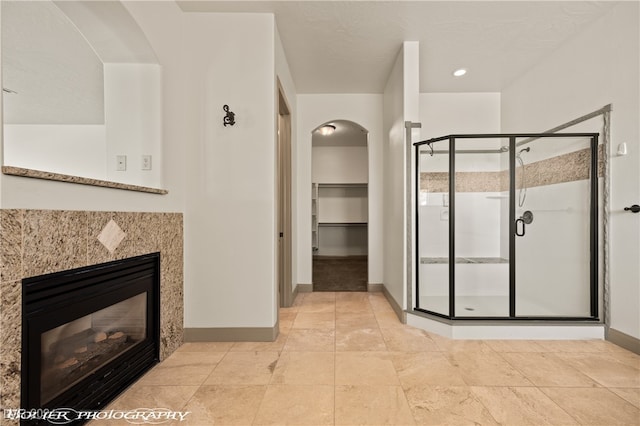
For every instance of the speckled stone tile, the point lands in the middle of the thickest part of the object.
(11, 222)
(146, 233)
(569, 167)
(171, 327)
(465, 181)
(477, 181)
(10, 343)
(434, 181)
(172, 289)
(54, 240)
(39, 174)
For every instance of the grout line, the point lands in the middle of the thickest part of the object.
(558, 405)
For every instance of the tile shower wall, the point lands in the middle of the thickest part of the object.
(36, 242)
(567, 167)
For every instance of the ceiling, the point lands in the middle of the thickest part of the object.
(347, 133)
(350, 46)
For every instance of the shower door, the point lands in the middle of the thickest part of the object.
(552, 234)
(481, 218)
(506, 226)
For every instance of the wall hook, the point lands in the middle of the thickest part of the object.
(230, 118)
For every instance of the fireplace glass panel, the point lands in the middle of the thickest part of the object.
(76, 349)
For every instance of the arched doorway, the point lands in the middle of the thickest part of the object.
(339, 207)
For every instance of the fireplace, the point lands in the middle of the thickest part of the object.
(89, 333)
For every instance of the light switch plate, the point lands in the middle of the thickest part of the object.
(121, 163)
(146, 162)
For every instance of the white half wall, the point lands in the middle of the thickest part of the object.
(365, 110)
(162, 23)
(78, 150)
(599, 66)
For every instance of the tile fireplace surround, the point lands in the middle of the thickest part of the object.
(37, 242)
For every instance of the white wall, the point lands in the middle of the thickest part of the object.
(443, 114)
(229, 213)
(161, 22)
(401, 103)
(340, 164)
(77, 150)
(230, 231)
(230, 210)
(133, 121)
(342, 204)
(365, 110)
(597, 67)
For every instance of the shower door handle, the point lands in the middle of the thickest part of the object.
(520, 234)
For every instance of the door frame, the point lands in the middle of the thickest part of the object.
(283, 200)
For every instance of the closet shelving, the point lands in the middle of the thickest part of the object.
(338, 206)
(314, 217)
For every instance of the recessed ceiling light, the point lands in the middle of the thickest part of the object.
(327, 129)
(459, 72)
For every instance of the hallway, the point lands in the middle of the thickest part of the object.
(344, 358)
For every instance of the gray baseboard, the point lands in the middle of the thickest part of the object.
(623, 340)
(231, 334)
(375, 287)
(402, 315)
(304, 288)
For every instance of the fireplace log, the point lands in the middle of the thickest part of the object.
(83, 359)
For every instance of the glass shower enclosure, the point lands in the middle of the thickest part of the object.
(507, 226)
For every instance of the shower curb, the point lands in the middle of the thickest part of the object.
(505, 329)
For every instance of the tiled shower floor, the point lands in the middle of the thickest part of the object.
(486, 306)
(345, 359)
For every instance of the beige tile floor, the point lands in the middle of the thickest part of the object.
(345, 359)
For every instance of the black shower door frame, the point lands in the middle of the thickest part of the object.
(513, 144)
